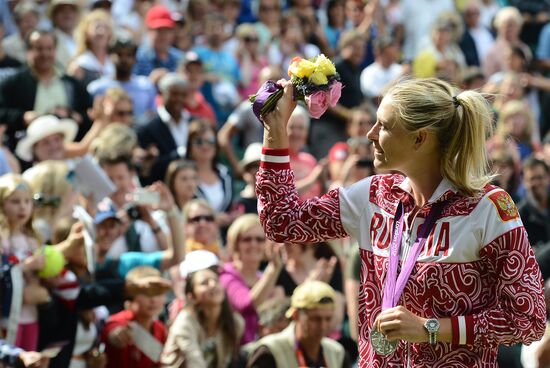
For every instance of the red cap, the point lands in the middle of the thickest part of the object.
(338, 152)
(159, 17)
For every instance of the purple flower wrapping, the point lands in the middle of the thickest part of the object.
(267, 89)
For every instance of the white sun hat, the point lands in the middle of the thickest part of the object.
(197, 260)
(42, 127)
(252, 154)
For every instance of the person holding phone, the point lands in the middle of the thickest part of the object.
(469, 281)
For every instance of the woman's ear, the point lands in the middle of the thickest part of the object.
(420, 138)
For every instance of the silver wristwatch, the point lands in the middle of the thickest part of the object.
(432, 326)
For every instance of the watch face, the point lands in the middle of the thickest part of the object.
(432, 325)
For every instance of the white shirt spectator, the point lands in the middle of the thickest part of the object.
(483, 40)
(374, 78)
(180, 129)
(418, 18)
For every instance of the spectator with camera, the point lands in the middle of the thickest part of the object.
(141, 232)
(109, 226)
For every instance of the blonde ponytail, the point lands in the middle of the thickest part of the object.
(461, 123)
(464, 160)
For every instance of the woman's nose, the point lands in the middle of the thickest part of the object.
(372, 134)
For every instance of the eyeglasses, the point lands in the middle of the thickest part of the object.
(250, 39)
(123, 113)
(269, 8)
(197, 219)
(205, 141)
(43, 200)
(249, 239)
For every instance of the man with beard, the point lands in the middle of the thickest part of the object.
(140, 89)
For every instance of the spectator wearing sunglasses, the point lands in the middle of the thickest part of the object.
(247, 288)
(215, 183)
(250, 58)
(140, 89)
(200, 227)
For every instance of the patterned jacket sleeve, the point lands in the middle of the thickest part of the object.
(283, 216)
(519, 312)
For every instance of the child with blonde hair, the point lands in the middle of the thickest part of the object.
(18, 245)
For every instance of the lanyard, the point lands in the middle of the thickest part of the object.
(394, 285)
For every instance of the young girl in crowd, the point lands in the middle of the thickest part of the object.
(18, 242)
(182, 180)
(206, 334)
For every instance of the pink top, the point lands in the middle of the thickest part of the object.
(239, 296)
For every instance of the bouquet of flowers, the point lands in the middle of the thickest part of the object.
(315, 81)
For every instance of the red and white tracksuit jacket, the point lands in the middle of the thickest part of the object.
(477, 266)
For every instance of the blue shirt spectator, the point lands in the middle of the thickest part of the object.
(147, 60)
(158, 52)
(220, 63)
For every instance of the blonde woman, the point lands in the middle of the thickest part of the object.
(245, 285)
(508, 23)
(93, 35)
(53, 194)
(516, 126)
(468, 280)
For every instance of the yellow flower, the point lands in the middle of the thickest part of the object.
(306, 68)
(324, 65)
(318, 78)
(300, 68)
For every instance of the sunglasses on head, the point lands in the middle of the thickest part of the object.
(197, 219)
(43, 200)
(204, 141)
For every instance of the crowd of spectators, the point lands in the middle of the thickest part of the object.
(149, 98)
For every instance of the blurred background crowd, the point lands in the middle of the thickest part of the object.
(170, 266)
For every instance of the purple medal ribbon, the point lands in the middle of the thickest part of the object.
(394, 285)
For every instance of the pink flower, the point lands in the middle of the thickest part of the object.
(317, 103)
(335, 93)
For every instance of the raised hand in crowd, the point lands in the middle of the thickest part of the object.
(33, 359)
(323, 269)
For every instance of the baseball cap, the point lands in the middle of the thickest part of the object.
(311, 294)
(191, 57)
(159, 17)
(104, 211)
